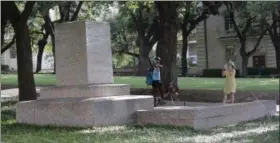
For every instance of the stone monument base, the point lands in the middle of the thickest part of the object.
(205, 117)
(90, 90)
(83, 112)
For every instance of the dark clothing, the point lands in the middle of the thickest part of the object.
(156, 83)
(158, 88)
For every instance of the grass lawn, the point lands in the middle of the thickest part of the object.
(258, 131)
(184, 83)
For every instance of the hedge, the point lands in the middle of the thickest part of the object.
(4, 68)
(215, 73)
(264, 71)
(251, 71)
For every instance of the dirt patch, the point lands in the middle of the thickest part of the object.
(216, 96)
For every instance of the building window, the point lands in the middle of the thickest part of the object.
(13, 52)
(228, 22)
(230, 53)
(259, 61)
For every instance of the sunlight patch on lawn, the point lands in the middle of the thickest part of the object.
(226, 136)
(124, 77)
(103, 130)
(273, 80)
(209, 82)
(247, 82)
(5, 77)
(264, 82)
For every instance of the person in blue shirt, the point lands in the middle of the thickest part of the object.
(157, 84)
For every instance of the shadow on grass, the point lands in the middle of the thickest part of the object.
(8, 111)
(257, 130)
(267, 137)
(8, 103)
(222, 129)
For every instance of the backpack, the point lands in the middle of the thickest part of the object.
(149, 78)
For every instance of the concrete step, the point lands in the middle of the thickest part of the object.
(205, 117)
(83, 112)
(186, 103)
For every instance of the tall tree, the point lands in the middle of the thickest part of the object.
(24, 54)
(143, 19)
(243, 19)
(167, 44)
(274, 32)
(270, 11)
(192, 14)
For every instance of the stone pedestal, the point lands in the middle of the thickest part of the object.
(83, 112)
(84, 94)
(83, 53)
(99, 90)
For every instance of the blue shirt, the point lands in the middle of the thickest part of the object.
(156, 74)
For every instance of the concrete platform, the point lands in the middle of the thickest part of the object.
(90, 90)
(83, 112)
(205, 117)
(192, 104)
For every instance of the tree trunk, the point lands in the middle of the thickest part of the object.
(41, 45)
(26, 82)
(53, 50)
(184, 60)
(144, 64)
(167, 45)
(3, 26)
(277, 52)
(245, 60)
(18, 20)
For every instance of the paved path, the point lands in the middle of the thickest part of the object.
(12, 94)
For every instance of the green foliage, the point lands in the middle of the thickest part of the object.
(192, 10)
(122, 42)
(263, 9)
(34, 25)
(121, 60)
(43, 7)
(122, 39)
(20, 5)
(245, 10)
(92, 9)
(138, 12)
(9, 34)
(48, 48)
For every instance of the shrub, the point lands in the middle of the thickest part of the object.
(264, 71)
(251, 72)
(4, 68)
